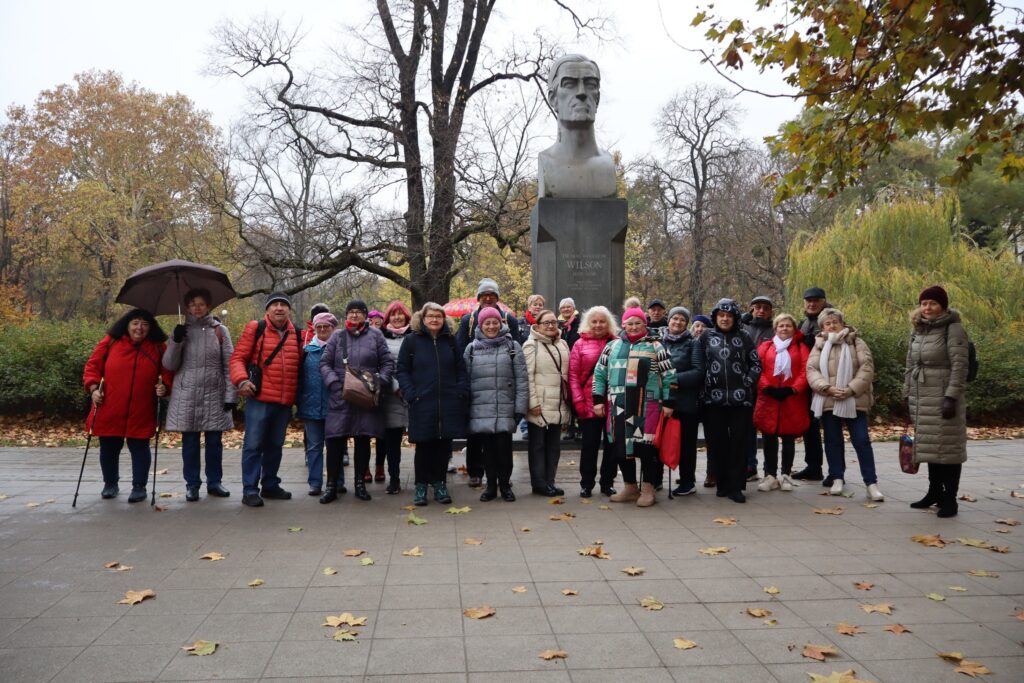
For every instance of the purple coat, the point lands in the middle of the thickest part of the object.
(369, 352)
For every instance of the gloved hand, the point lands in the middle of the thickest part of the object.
(948, 408)
(179, 333)
(773, 392)
(229, 407)
(518, 417)
(784, 392)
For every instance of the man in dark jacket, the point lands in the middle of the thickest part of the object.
(757, 323)
(657, 321)
(487, 297)
(814, 303)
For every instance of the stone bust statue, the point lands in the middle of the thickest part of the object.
(574, 167)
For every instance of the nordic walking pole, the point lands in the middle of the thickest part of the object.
(156, 449)
(88, 442)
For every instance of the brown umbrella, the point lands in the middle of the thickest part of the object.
(159, 288)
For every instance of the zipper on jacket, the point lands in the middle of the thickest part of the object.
(437, 359)
(131, 393)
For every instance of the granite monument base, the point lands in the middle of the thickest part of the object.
(579, 250)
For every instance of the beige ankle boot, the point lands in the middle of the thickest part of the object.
(628, 494)
(646, 498)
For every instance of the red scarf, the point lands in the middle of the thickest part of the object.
(634, 338)
(529, 317)
(354, 329)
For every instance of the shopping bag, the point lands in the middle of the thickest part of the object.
(907, 463)
(668, 439)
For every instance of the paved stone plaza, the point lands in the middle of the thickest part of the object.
(60, 618)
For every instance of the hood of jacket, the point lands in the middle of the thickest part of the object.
(851, 336)
(947, 317)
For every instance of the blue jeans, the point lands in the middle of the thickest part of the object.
(190, 458)
(265, 426)
(834, 450)
(314, 432)
(110, 450)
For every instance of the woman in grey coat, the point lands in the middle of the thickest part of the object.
(203, 397)
(499, 398)
(934, 385)
(362, 347)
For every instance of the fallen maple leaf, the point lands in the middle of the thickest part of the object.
(863, 585)
(202, 648)
(771, 590)
(479, 612)
(213, 557)
(897, 629)
(410, 507)
(725, 521)
(586, 501)
(519, 589)
(836, 510)
(556, 501)
(413, 519)
(344, 635)
(254, 583)
(353, 552)
(163, 471)
(932, 540)
(344, 619)
(32, 505)
(652, 603)
(759, 612)
(294, 529)
(604, 507)
(570, 591)
(472, 541)
(714, 551)
(553, 654)
(1008, 521)
(958, 589)
(366, 561)
(848, 629)
(413, 552)
(683, 644)
(633, 571)
(972, 669)
(982, 572)
(118, 567)
(594, 551)
(836, 677)
(771, 622)
(458, 511)
(819, 652)
(1002, 531)
(936, 597)
(329, 571)
(951, 656)
(525, 529)
(871, 506)
(135, 597)
(564, 517)
(882, 608)
(968, 497)
(169, 494)
(974, 543)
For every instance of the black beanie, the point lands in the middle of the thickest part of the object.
(357, 305)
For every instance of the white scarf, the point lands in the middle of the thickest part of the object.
(783, 364)
(846, 407)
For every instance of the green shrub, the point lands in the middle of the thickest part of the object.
(41, 366)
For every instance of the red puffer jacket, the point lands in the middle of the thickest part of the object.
(790, 417)
(281, 377)
(129, 375)
(582, 361)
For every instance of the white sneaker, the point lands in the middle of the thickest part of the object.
(837, 488)
(768, 483)
(874, 494)
(787, 483)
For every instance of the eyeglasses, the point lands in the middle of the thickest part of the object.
(548, 323)
(354, 314)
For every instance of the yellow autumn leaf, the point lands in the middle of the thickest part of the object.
(479, 612)
(983, 573)
(254, 583)
(353, 552)
(882, 608)
(472, 541)
(553, 654)
(819, 652)
(519, 589)
(652, 603)
(213, 557)
(936, 597)
(202, 648)
(932, 540)
(633, 571)
(714, 551)
(329, 571)
(556, 501)
(135, 597)
(458, 511)
(570, 591)
(683, 644)
(771, 590)
(413, 552)
(836, 510)
(725, 521)
(848, 629)
(972, 669)
(366, 561)
(344, 635)
(759, 612)
(344, 619)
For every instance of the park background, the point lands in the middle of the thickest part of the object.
(117, 152)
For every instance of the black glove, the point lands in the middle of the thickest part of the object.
(772, 392)
(948, 408)
(178, 335)
(784, 392)
(518, 418)
(229, 407)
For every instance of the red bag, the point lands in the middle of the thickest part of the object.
(667, 439)
(907, 463)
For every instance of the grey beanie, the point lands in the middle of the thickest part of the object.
(487, 285)
(680, 310)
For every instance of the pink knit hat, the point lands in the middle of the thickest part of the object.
(328, 318)
(635, 312)
(487, 314)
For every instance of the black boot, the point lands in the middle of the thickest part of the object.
(934, 491)
(490, 493)
(948, 507)
(330, 494)
(361, 492)
(506, 493)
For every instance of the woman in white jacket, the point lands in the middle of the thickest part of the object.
(547, 364)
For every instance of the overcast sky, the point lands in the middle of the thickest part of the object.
(163, 46)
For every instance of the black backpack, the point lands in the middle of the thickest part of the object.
(972, 358)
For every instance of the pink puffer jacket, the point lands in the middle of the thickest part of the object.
(582, 361)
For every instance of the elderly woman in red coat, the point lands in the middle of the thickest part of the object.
(781, 408)
(124, 377)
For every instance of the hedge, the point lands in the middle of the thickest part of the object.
(41, 368)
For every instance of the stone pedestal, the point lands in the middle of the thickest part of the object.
(579, 250)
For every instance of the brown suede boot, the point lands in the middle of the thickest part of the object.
(646, 498)
(629, 494)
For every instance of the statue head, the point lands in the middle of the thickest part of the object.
(574, 90)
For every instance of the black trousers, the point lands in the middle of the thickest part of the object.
(947, 478)
(771, 453)
(647, 454)
(474, 456)
(430, 461)
(688, 423)
(545, 447)
(110, 449)
(496, 453)
(728, 429)
(335, 472)
(813, 453)
(594, 441)
(390, 448)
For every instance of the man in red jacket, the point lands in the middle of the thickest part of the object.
(277, 353)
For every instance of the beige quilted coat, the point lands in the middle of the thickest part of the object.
(549, 379)
(937, 369)
(863, 370)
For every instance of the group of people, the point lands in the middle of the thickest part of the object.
(375, 377)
